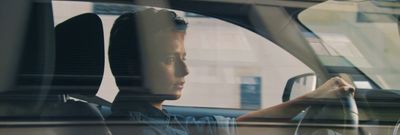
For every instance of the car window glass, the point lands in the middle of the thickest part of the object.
(361, 35)
(229, 66)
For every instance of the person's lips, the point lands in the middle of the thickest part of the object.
(179, 85)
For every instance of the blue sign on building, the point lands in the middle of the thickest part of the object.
(250, 92)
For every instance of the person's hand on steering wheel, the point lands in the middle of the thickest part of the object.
(335, 87)
(322, 108)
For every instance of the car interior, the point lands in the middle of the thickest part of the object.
(61, 69)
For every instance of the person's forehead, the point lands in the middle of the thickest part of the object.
(170, 34)
(170, 42)
(171, 38)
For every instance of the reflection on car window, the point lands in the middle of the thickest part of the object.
(229, 66)
(361, 34)
(228, 61)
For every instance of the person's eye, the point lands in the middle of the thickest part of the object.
(170, 59)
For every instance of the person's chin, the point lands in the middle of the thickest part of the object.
(176, 95)
(170, 95)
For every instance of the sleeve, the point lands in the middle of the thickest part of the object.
(226, 125)
(214, 125)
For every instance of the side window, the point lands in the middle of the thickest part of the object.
(232, 67)
(229, 66)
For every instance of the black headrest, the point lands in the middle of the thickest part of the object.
(79, 63)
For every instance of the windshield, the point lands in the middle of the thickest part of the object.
(363, 35)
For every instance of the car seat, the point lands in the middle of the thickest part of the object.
(79, 67)
(38, 101)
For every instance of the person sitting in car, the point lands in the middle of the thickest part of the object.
(147, 58)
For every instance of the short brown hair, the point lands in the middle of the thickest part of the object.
(124, 49)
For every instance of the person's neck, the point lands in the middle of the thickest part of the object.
(157, 104)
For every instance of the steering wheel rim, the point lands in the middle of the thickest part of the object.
(349, 116)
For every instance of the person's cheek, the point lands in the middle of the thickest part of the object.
(163, 77)
(155, 78)
(170, 76)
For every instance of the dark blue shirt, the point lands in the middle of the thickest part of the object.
(153, 121)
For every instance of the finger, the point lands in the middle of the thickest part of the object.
(332, 83)
(347, 90)
(350, 89)
(341, 82)
(346, 77)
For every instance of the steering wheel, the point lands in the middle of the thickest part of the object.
(345, 110)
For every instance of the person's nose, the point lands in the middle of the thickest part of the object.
(181, 69)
